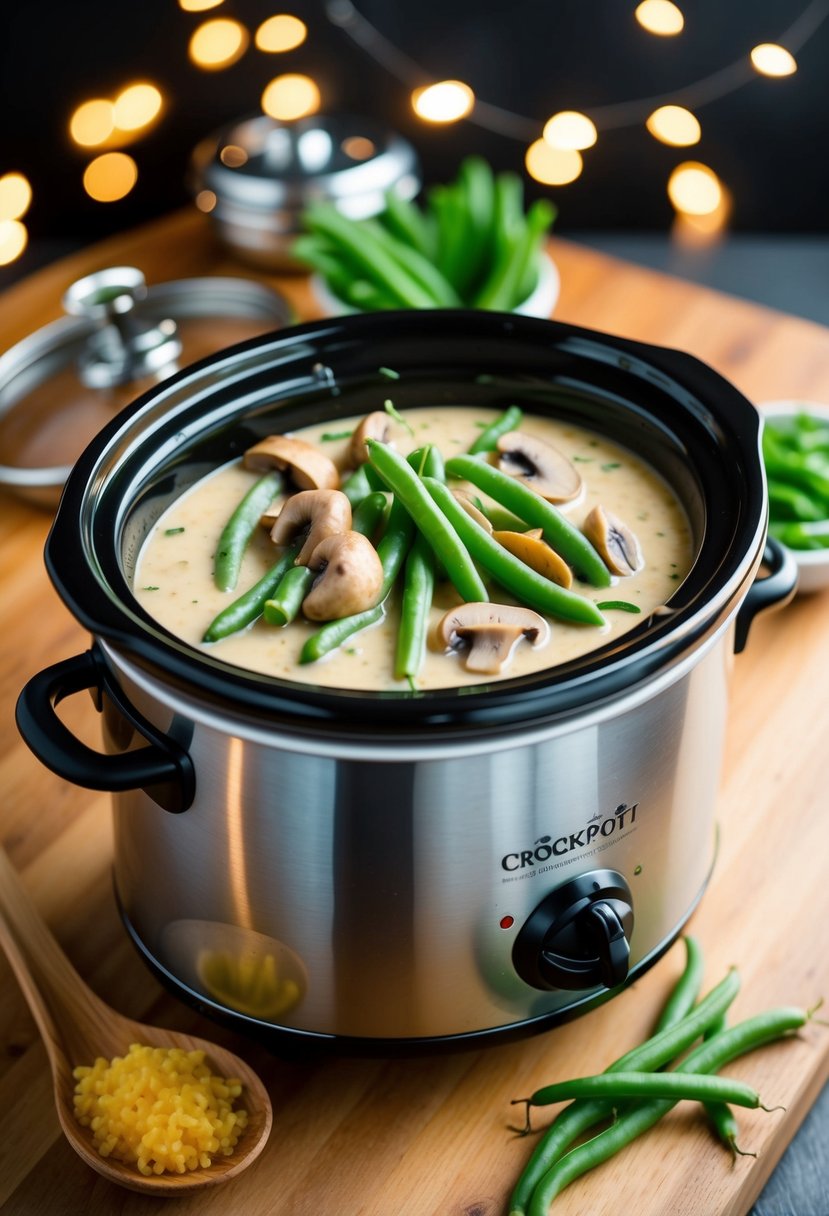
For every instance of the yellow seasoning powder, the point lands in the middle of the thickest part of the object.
(159, 1108)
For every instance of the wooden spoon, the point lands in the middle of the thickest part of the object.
(77, 1027)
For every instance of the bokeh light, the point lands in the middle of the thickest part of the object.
(137, 106)
(660, 17)
(279, 33)
(772, 60)
(358, 147)
(552, 166)
(218, 44)
(15, 196)
(570, 130)
(13, 240)
(198, 6)
(446, 101)
(92, 123)
(674, 125)
(206, 201)
(695, 189)
(702, 231)
(110, 177)
(233, 156)
(291, 96)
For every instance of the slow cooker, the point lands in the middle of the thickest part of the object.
(372, 870)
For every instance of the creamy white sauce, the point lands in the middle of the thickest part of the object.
(174, 576)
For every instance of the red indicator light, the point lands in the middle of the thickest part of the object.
(506, 922)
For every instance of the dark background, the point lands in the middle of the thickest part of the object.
(766, 140)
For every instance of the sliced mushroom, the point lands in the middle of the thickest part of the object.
(489, 633)
(376, 425)
(351, 577)
(529, 548)
(617, 545)
(473, 510)
(538, 465)
(308, 468)
(322, 513)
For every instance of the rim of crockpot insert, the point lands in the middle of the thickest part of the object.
(693, 425)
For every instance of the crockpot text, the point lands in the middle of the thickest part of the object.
(545, 847)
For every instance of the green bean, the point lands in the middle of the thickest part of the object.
(446, 206)
(418, 588)
(241, 526)
(784, 464)
(374, 261)
(787, 502)
(439, 532)
(356, 486)
(617, 1085)
(487, 441)
(724, 1122)
(655, 1052)
(502, 290)
(428, 462)
(392, 551)
(284, 605)
(368, 513)
(476, 196)
(686, 990)
(802, 536)
(521, 580)
(559, 532)
(421, 269)
(321, 256)
(332, 635)
(707, 1058)
(248, 607)
(408, 223)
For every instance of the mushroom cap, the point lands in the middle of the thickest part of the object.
(473, 510)
(309, 468)
(324, 512)
(489, 633)
(539, 465)
(350, 581)
(376, 425)
(618, 547)
(529, 548)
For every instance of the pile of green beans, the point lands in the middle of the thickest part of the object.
(796, 457)
(635, 1095)
(470, 243)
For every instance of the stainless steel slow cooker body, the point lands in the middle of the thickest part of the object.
(419, 868)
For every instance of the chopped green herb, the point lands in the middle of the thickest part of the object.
(611, 464)
(389, 373)
(675, 577)
(481, 425)
(150, 588)
(328, 435)
(620, 605)
(660, 534)
(388, 406)
(351, 650)
(583, 459)
(172, 531)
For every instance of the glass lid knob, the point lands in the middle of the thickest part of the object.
(124, 346)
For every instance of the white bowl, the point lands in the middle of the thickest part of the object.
(540, 303)
(812, 564)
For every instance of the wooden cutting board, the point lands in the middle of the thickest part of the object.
(430, 1136)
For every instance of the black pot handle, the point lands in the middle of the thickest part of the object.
(163, 769)
(773, 590)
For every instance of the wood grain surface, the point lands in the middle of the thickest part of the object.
(429, 1136)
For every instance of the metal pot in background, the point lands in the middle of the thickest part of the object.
(408, 870)
(60, 385)
(254, 178)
